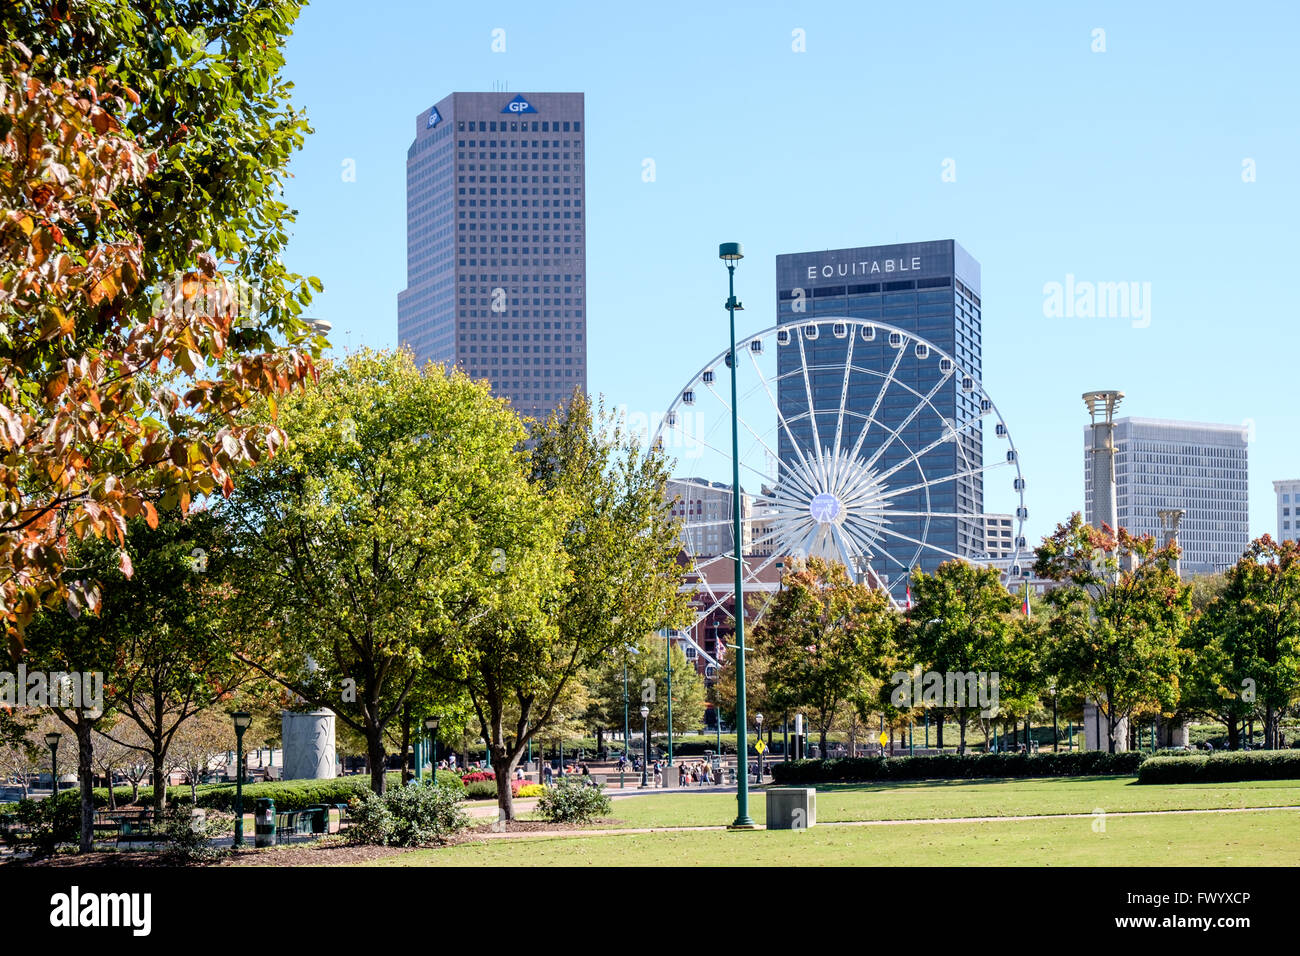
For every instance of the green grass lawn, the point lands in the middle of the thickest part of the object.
(944, 799)
(1269, 838)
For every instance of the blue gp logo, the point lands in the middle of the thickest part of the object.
(519, 105)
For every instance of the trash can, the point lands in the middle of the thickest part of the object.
(264, 822)
(319, 815)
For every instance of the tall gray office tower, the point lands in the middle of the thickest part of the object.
(933, 290)
(496, 243)
(1197, 468)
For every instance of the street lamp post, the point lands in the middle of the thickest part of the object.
(645, 743)
(731, 253)
(242, 720)
(1055, 734)
(431, 725)
(52, 741)
(758, 724)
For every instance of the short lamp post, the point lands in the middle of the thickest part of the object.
(52, 741)
(758, 723)
(645, 742)
(431, 725)
(242, 720)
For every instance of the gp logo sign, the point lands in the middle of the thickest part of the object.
(519, 105)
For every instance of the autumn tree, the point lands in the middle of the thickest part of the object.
(143, 302)
(1117, 618)
(197, 743)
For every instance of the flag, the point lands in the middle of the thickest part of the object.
(909, 597)
(1025, 605)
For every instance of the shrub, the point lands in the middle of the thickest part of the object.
(185, 838)
(446, 778)
(1222, 767)
(958, 767)
(371, 820)
(531, 790)
(53, 820)
(572, 802)
(481, 790)
(478, 776)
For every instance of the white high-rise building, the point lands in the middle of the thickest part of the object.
(1288, 509)
(1197, 467)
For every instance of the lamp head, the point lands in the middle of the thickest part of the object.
(645, 712)
(242, 719)
(758, 719)
(52, 739)
(730, 252)
(431, 724)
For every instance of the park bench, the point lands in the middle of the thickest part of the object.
(137, 828)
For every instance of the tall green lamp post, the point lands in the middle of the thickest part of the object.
(242, 720)
(431, 725)
(52, 741)
(645, 742)
(730, 253)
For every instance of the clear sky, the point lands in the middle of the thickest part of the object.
(1123, 165)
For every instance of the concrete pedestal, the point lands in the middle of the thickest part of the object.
(308, 745)
(791, 808)
(1095, 730)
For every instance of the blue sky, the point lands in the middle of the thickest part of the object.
(1123, 165)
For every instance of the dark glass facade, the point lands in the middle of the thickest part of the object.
(930, 289)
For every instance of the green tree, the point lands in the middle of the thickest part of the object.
(821, 635)
(147, 146)
(399, 500)
(1246, 646)
(1118, 616)
(960, 622)
(591, 568)
(647, 683)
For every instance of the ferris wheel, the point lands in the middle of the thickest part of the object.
(859, 442)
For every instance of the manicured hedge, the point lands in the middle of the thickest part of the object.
(287, 794)
(956, 767)
(1223, 767)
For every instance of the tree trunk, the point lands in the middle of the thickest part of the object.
(1110, 732)
(1234, 734)
(375, 757)
(406, 743)
(112, 794)
(939, 733)
(503, 765)
(821, 736)
(86, 776)
(961, 729)
(160, 783)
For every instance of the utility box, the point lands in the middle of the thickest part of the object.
(791, 808)
(672, 777)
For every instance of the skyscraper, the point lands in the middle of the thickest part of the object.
(495, 238)
(931, 289)
(1199, 468)
(1288, 509)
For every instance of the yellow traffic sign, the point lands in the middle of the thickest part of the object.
(760, 746)
(884, 739)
